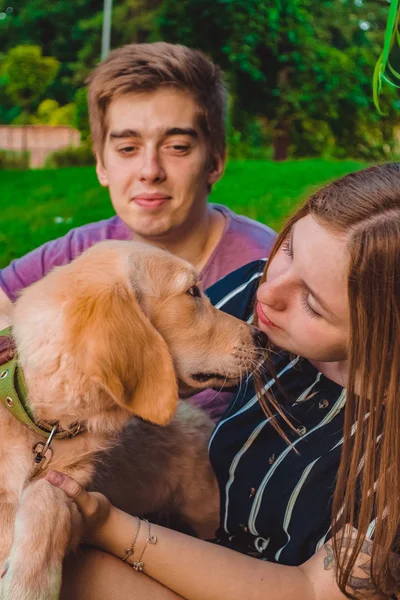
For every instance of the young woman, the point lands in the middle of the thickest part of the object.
(309, 469)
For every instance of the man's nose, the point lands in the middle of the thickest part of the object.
(151, 168)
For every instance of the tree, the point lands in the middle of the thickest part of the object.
(295, 63)
(54, 25)
(71, 32)
(28, 74)
(49, 112)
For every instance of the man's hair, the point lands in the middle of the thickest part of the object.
(148, 67)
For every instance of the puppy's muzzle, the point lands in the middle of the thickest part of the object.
(249, 360)
(260, 339)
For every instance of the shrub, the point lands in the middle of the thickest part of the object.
(73, 156)
(15, 160)
(82, 113)
(252, 141)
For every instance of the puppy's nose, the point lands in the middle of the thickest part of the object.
(260, 339)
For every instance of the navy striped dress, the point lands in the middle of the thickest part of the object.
(276, 502)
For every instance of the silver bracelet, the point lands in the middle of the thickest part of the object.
(138, 565)
(129, 551)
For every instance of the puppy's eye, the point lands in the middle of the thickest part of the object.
(194, 291)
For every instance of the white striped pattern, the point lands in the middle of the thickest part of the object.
(254, 399)
(292, 502)
(237, 290)
(258, 497)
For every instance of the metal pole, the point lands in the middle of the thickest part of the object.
(105, 39)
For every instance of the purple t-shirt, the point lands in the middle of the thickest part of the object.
(242, 241)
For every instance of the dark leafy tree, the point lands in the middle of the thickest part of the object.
(305, 65)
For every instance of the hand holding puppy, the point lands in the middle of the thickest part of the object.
(94, 507)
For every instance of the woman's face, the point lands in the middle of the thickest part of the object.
(303, 305)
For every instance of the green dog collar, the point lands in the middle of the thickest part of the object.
(14, 392)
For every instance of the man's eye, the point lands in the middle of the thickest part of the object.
(180, 148)
(127, 150)
(194, 291)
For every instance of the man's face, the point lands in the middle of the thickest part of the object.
(156, 162)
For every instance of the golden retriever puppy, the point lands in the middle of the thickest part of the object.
(115, 334)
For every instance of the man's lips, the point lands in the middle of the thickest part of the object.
(150, 200)
(263, 318)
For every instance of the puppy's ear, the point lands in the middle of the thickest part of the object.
(127, 357)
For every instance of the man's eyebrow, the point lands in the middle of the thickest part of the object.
(125, 133)
(314, 294)
(133, 133)
(182, 131)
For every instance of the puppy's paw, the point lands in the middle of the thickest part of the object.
(42, 535)
(45, 587)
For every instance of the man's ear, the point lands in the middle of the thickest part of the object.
(216, 169)
(101, 171)
(125, 356)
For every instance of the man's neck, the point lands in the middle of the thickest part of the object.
(197, 241)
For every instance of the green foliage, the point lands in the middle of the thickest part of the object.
(133, 21)
(46, 109)
(28, 74)
(55, 26)
(24, 117)
(252, 141)
(71, 31)
(49, 112)
(299, 72)
(312, 137)
(82, 113)
(74, 156)
(10, 159)
(294, 63)
(384, 70)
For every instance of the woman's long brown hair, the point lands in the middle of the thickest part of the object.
(366, 207)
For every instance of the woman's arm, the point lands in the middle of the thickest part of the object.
(199, 570)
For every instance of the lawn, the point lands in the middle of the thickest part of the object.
(40, 205)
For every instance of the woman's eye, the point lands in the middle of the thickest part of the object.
(194, 291)
(287, 247)
(309, 310)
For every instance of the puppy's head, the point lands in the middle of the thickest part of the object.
(87, 347)
(117, 328)
(209, 348)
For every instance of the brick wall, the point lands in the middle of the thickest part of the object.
(39, 140)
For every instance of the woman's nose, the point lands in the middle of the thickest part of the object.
(273, 295)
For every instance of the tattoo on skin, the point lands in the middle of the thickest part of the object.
(360, 579)
(329, 560)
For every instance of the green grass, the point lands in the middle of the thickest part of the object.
(31, 201)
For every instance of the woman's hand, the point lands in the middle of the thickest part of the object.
(94, 507)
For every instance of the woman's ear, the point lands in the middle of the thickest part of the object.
(127, 357)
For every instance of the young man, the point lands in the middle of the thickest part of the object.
(157, 116)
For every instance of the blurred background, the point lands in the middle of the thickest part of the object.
(300, 101)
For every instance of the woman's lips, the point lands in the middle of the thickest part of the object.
(263, 318)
